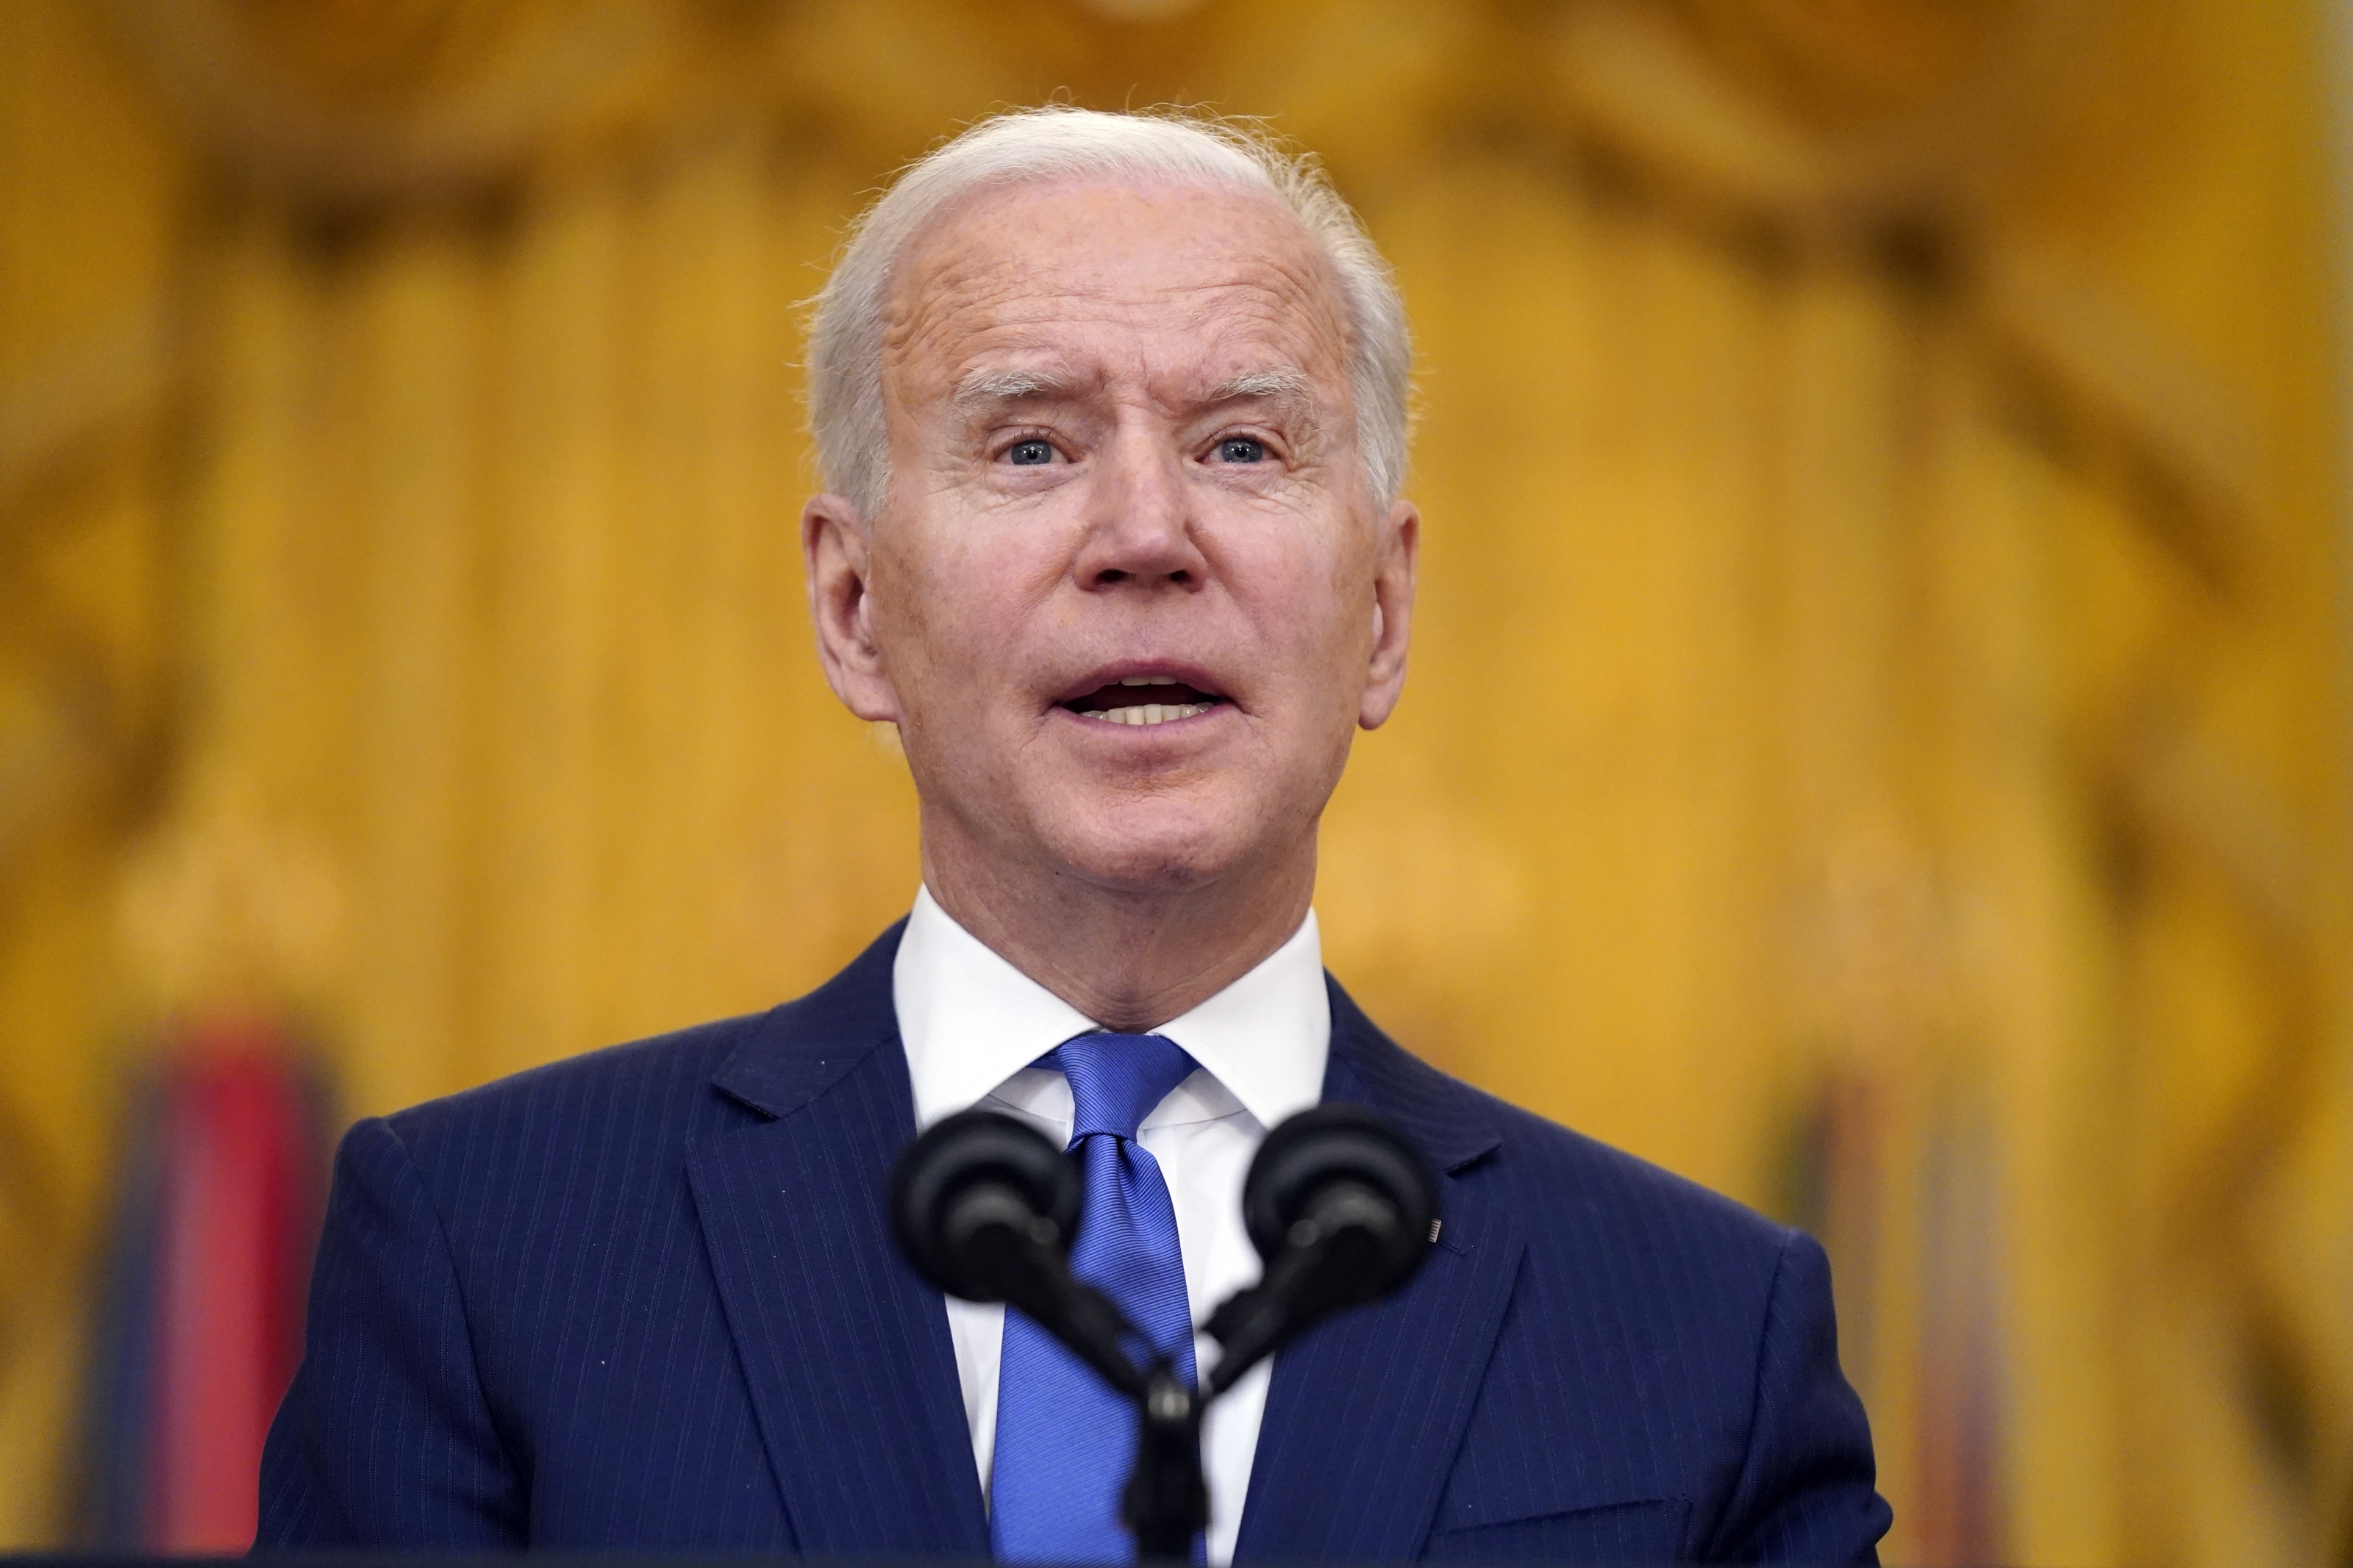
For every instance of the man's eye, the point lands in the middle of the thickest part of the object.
(1241, 449)
(1029, 454)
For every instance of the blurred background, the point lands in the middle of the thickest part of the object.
(1876, 741)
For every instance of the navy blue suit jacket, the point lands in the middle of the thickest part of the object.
(646, 1299)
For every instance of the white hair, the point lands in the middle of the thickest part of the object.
(847, 325)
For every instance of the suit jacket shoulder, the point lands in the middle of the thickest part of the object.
(658, 1089)
(1541, 1160)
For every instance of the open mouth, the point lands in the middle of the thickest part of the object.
(1144, 700)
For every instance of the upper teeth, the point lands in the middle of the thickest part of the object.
(1148, 680)
(1153, 712)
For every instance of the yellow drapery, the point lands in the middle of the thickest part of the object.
(1875, 735)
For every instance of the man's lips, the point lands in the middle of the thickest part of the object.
(1144, 700)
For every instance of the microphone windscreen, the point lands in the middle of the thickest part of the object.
(1351, 1155)
(976, 1163)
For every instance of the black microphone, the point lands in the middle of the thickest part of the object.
(985, 1208)
(1340, 1206)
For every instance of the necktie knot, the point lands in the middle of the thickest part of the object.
(1116, 1080)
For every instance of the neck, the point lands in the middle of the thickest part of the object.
(1129, 960)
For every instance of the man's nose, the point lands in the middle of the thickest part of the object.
(1140, 523)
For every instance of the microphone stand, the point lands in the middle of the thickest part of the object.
(1168, 1500)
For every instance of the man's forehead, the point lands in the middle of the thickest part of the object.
(1066, 280)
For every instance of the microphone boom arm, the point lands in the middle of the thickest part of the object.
(999, 1232)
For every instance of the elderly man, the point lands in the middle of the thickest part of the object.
(1114, 408)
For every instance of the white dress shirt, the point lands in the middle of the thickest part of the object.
(972, 1024)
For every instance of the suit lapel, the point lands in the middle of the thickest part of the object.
(846, 1351)
(1365, 1413)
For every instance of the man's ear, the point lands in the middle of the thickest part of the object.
(1392, 583)
(837, 550)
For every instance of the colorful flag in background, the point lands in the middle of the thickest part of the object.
(222, 1181)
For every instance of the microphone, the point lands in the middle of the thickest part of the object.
(984, 1207)
(1340, 1206)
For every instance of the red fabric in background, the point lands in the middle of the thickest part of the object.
(233, 1204)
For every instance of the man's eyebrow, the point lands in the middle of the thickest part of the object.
(982, 387)
(986, 387)
(1286, 382)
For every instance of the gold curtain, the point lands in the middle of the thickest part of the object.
(1875, 742)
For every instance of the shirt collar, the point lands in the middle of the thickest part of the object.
(970, 1021)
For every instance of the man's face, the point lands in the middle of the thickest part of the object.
(1129, 596)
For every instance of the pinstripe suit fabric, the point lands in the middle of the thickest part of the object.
(645, 1300)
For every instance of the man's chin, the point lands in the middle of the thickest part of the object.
(1147, 859)
(1152, 871)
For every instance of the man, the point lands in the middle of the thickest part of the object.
(1114, 408)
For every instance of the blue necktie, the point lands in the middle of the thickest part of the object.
(1064, 1441)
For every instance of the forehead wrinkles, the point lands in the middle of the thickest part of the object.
(978, 286)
